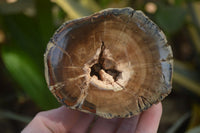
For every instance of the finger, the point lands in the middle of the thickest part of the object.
(128, 125)
(82, 124)
(105, 125)
(150, 119)
(62, 118)
(36, 126)
(56, 120)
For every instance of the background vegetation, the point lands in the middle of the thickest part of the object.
(27, 25)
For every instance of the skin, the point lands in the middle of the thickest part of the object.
(63, 120)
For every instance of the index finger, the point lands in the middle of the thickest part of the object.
(150, 119)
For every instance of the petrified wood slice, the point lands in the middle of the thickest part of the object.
(115, 63)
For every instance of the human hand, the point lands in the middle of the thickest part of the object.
(63, 120)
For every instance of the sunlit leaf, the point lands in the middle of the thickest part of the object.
(91, 5)
(73, 8)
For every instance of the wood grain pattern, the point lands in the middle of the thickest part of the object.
(115, 63)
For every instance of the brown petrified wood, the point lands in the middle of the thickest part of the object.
(115, 63)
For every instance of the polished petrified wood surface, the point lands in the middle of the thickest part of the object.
(115, 63)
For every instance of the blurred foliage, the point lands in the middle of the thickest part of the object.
(27, 25)
(170, 18)
(22, 54)
(28, 75)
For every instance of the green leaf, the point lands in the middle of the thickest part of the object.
(44, 20)
(170, 18)
(103, 3)
(27, 74)
(25, 35)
